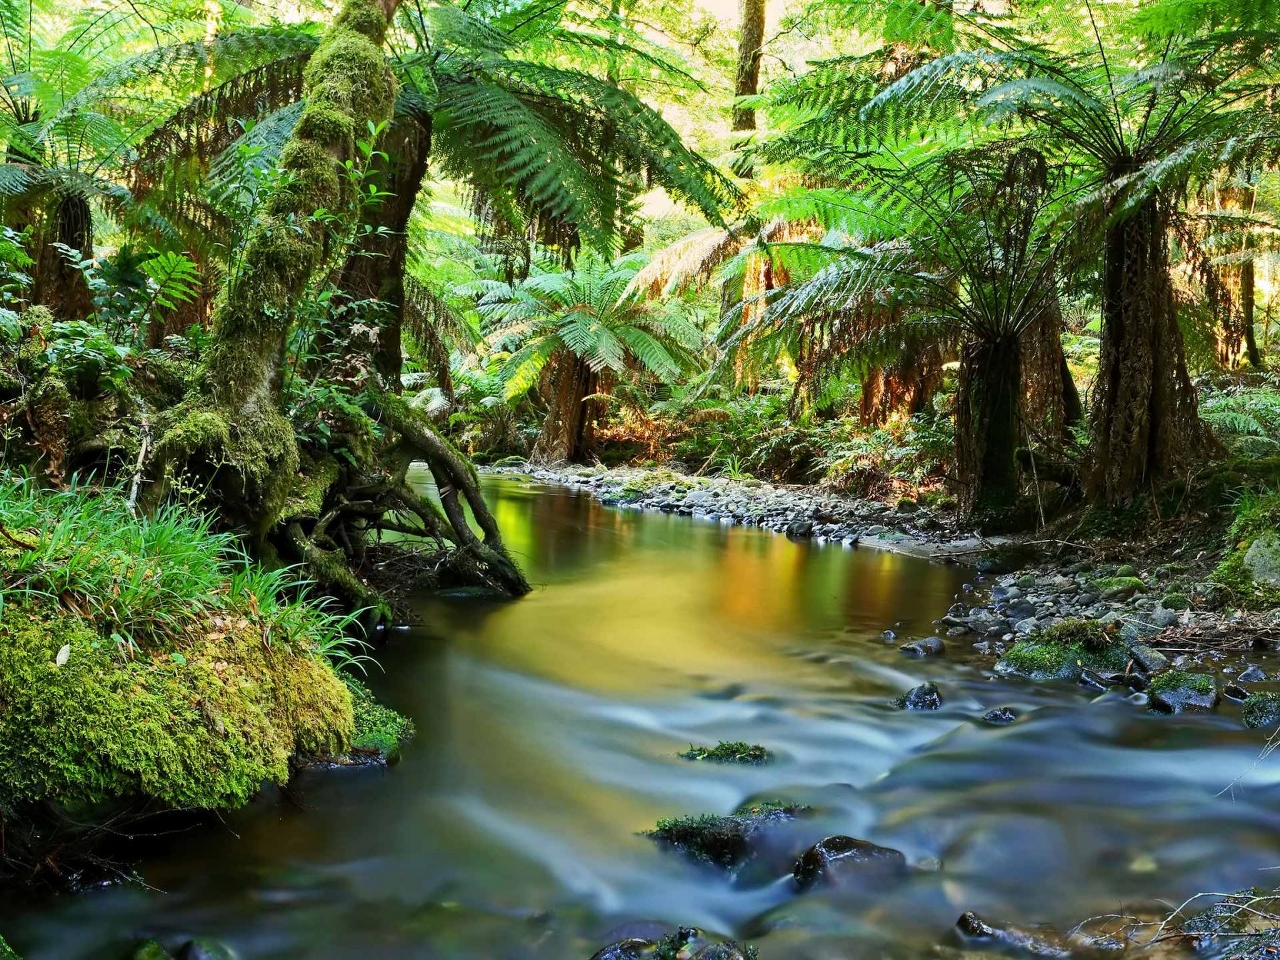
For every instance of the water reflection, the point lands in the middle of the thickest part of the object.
(548, 734)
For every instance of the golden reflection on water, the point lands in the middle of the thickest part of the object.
(626, 601)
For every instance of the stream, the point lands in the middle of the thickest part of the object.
(548, 734)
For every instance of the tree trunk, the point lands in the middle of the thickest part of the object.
(1051, 402)
(1144, 421)
(374, 270)
(908, 385)
(568, 433)
(57, 283)
(750, 50)
(231, 433)
(988, 404)
(1248, 308)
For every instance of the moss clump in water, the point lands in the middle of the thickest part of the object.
(1063, 652)
(725, 842)
(1261, 710)
(1173, 680)
(378, 728)
(726, 751)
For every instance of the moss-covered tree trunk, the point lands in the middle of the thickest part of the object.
(1248, 308)
(231, 435)
(1145, 423)
(988, 403)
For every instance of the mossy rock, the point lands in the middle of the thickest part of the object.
(1233, 575)
(1261, 710)
(726, 751)
(201, 725)
(378, 728)
(1117, 588)
(6, 952)
(725, 842)
(1177, 691)
(1176, 601)
(150, 950)
(1063, 652)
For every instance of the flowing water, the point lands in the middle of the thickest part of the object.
(548, 733)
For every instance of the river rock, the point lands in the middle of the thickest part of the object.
(1261, 710)
(928, 647)
(927, 696)
(721, 951)
(1233, 691)
(205, 950)
(1262, 559)
(633, 948)
(1148, 658)
(1177, 692)
(1251, 674)
(725, 842)
(1000, 716)
(1037, 943)
(147, 950)
(799, 528)
(837, 858)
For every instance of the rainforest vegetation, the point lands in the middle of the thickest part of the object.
(279, 282)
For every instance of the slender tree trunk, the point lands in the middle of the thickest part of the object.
(568, 433)
(1248, 308)
(374, 270)
(1051, 400)
(750, 50)
(1144, 419)
(988, 402)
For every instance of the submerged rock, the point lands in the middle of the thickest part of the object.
(1037, 943)
(728, 950)
(725, 842)
(205, 950)
(1148, 658)
(1261, 710)
(927, 696)
(1178, 692)
(839, 858)
(147, 950)
(632, 948)
(1000, 716)
(1251, 674)
(928, 647)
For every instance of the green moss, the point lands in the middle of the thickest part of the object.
(377, 727)
(1176, 601)
(1232, 574)
(198, 725)
(1110, 588)
(6, 952)
(722, 841)
(1261, 710)
(150, 950)
(736, 751)
(1173, 680)
(1045, 660)
(1089, 634)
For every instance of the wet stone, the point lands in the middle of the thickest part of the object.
(1036, 943)
(928, 647)
(838, 859)
(1233, 691)
(1251, 674)
(1148, 658)
(1000, 716)
(927, 696)
(633, 948)
(205, 950)
(1177, 692)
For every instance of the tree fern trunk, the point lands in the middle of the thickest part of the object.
(374, 270)
(1144, 419)
(57, 283)
(988, 403)
(568, 433)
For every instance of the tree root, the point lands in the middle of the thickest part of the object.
(454, 476)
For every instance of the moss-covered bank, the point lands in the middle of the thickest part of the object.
(144, 660)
